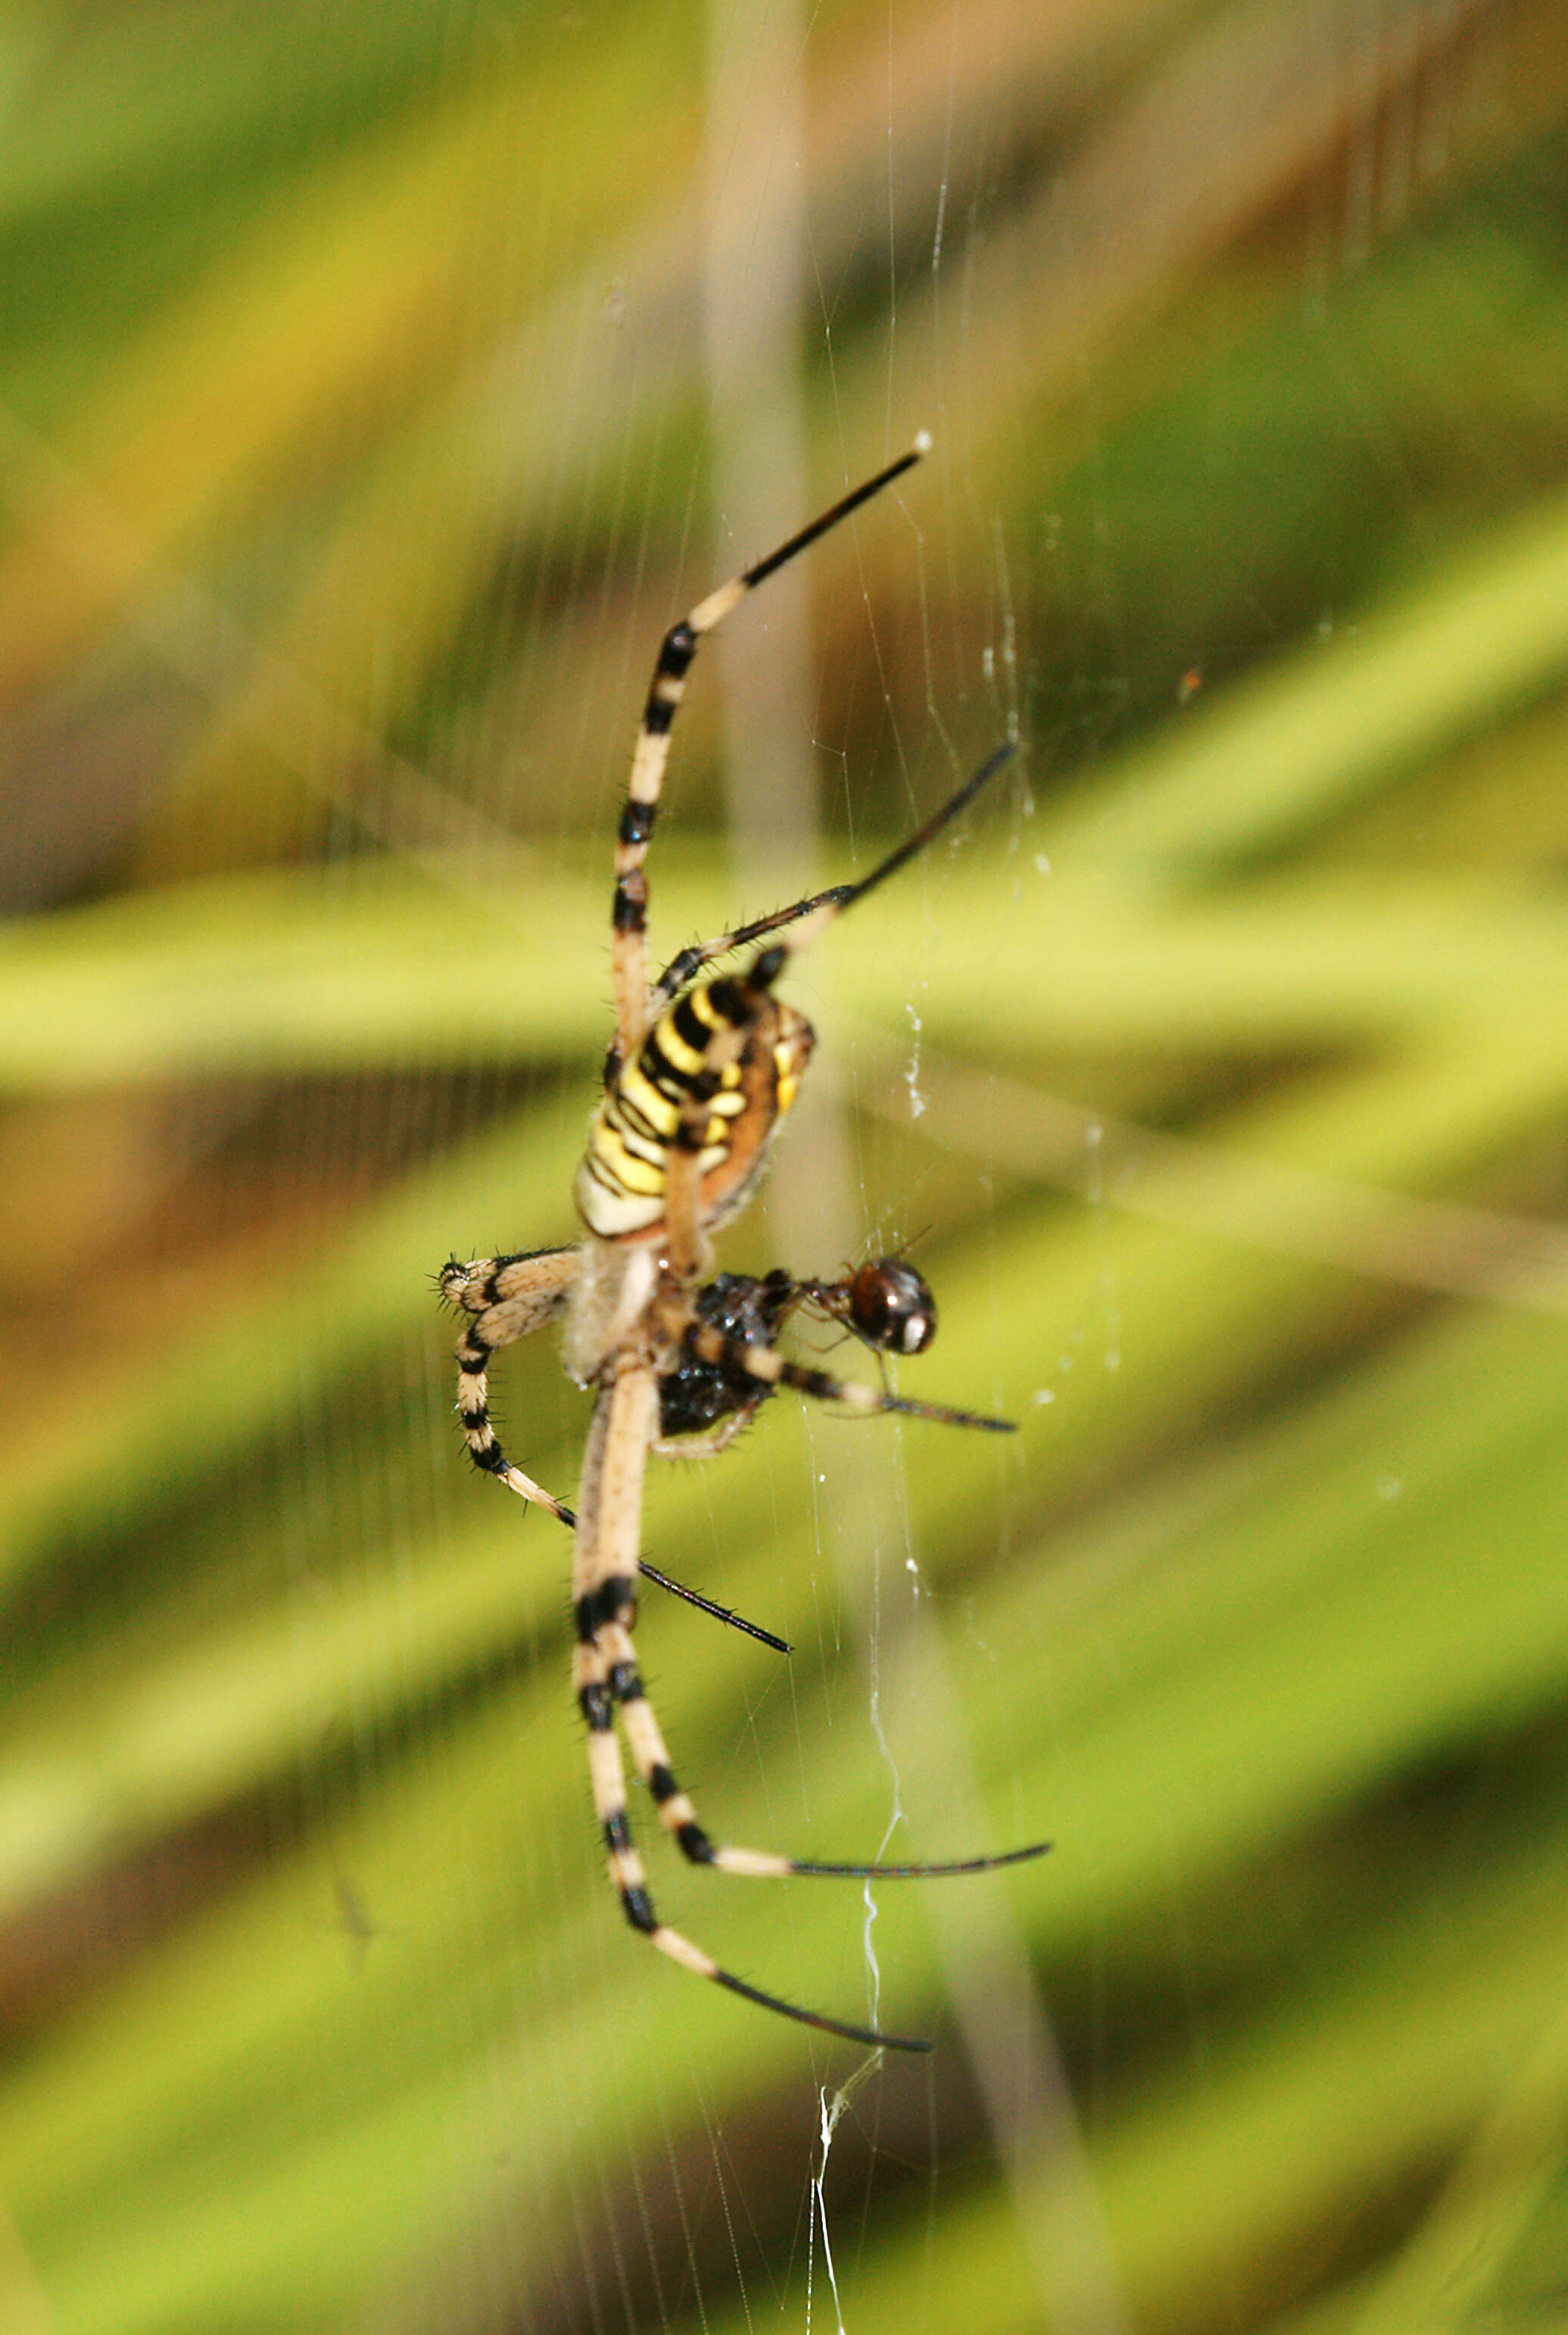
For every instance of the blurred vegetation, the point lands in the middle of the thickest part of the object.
(362, 424)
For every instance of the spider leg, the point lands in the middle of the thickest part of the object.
(706, 1605)
(645, 1742)
(604, 1668)
(690, 960)
(597, 1699)
(766, 1364)
(508, 1296)
(769, 964)
(607, 1678)
(704, 1447)
(629, 907)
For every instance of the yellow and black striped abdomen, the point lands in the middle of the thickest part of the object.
(725, 1041)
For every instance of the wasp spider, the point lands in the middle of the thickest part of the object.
(701, 1074)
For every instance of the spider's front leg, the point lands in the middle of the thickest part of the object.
(683, 969)
(635, 1006)
(507, 1297)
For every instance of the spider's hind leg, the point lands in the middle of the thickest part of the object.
(604, 1674)
(607, 1679)
(629, 904)
(601, 1685)
(613, 1659)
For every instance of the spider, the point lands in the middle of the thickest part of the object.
(700, 1075)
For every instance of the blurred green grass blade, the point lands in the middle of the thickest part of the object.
(167, 1743)
(1279, 755)
(365, 279)
(277, 974)
(272, 1358)
(1316, 1640)
(1457, 2259)
(281, 974)
(1184, 1329)
(1206, 1714)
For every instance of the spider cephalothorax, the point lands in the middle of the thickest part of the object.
(699, 1078)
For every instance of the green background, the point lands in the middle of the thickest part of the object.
(376, 383)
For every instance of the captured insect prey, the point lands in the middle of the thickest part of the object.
(700, 1076)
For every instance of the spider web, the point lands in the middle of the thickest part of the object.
(376, 387)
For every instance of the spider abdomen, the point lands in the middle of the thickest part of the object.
(744, 1086)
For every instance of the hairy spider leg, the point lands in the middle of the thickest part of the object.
(684, 968)
(508, 1296)
(635, 1008)
(766, 1364)
(608, 1682)
(767, 966)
